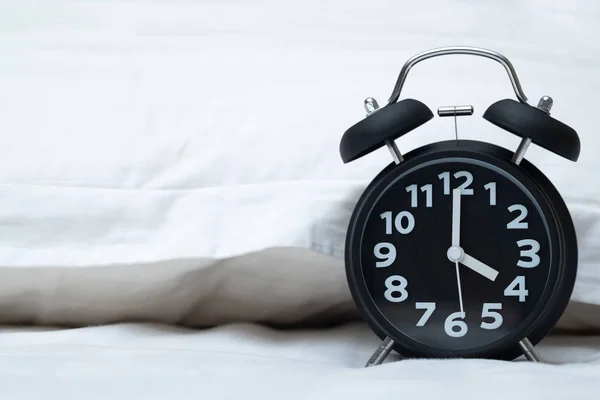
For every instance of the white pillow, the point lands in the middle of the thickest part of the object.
(143, 143)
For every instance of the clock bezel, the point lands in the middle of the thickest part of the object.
(556, 213)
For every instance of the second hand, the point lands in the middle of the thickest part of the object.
(462, 311)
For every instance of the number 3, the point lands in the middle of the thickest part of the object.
(531, 253)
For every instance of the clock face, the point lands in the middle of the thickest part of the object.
(456, 255)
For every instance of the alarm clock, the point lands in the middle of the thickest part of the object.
(460, 248)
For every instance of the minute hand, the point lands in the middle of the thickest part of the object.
(456, 194)
(479, 267)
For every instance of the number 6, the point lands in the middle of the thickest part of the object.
(453, 321)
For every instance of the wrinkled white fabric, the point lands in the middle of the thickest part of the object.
(134, 135)
(129, 361)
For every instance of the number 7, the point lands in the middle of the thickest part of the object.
(429, 308)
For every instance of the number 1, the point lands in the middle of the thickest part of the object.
(492, 188)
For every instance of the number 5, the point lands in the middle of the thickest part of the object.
(488, 313)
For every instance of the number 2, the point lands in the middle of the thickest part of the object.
(518, 223)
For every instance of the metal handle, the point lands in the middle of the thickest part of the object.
(459, 50)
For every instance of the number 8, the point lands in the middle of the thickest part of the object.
(392, 287)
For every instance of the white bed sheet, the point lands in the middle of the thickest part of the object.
(246, 361)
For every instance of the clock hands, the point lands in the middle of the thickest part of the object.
(456, 196)
(456, 254)
(456, 242)
(479, 267)
(462, 310)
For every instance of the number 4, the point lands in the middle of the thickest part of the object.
(517, 288)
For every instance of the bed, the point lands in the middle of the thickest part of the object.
(173, 205)
(131, 361)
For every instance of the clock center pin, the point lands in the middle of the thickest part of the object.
(455, 253)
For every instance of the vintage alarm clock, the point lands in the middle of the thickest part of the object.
(460, 248)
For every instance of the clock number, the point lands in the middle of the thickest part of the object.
(412, 189)
(517, 288)
(452, 322)
(518, 223)
(387, 216)
(492, 188)
(464, 190)
(428, 189)
(404, 222)
(414, 201)
(396, 284)
(429, 309)
(445, 176)
(468, 181)
(388, 257)
(531, 253)
(488, 312)
(410, 222)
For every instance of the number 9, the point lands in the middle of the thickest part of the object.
(388, 257)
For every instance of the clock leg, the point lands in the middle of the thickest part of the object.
(394, 151)
(520, 153)
(545, 104)
(381, 353)
(372, 106)
(529, 351)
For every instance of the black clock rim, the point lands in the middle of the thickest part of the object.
(559, 220)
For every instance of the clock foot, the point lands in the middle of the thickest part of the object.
(529, 351)
(381, 353)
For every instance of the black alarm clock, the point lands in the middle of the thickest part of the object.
(460, 248)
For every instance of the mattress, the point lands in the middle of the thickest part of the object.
(149, 361)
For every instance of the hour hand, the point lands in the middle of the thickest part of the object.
(479, 267)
